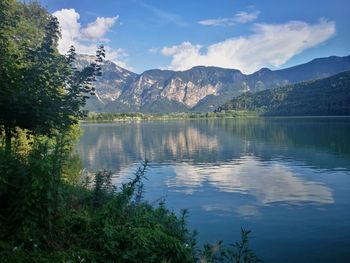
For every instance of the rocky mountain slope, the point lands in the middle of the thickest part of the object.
(198, 89)
(113, 82)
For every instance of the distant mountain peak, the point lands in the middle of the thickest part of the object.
(201, 88)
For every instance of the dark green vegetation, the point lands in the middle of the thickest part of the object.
(49, 211)
(48, 216)
(52, 214)
(40, 89)
(328, 96)
(111, 117)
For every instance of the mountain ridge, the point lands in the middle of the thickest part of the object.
(201, 88)
(321, 97)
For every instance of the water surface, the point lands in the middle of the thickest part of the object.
(286, 179)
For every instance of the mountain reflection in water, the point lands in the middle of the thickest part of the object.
(315, 142)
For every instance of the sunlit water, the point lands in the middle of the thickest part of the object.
(286, 179)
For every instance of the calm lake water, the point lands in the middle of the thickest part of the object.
(286, 179)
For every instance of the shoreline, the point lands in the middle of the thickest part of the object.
(138, 117)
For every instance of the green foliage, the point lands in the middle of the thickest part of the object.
(164, 105)
(40, 90)
(239, 252)
(47, 219)
(329, 96)
(30, 188)
(99, 222)
(111, 117)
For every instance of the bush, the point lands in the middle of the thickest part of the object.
(49, 215)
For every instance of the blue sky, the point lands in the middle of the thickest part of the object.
(179, 34)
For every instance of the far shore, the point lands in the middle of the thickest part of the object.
(137, 117)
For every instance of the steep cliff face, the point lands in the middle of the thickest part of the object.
(198, 89)
(191, 86)
(113, 82)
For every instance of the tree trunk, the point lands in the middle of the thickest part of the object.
(8, 137)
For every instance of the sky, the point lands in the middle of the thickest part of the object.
(179, 34)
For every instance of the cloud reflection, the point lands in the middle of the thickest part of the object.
(269, 183)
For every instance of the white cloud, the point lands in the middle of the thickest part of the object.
(245, 17)
(99, 27)
(241, 17)
(86, 39)
(185, 56)
(268, 45)
(70, 28)
(218, 22)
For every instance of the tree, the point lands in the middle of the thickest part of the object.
(40, 89)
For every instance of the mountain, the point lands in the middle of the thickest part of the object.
(113, 82)
(328, 96)
(198, 89)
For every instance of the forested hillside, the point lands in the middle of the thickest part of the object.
(328, 96)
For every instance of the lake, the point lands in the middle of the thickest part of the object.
(286, 179)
